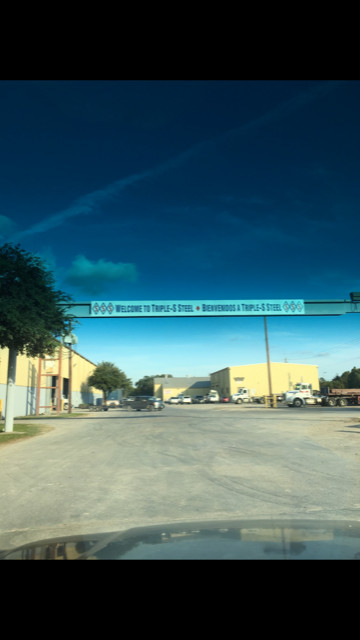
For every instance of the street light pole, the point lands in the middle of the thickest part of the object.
(69, 340)
(70, 377)
(268, 356)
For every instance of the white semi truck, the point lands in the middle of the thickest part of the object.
(244, 395)
(248, 395)
(301, 394)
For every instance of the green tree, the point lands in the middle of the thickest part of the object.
(33, 313)
(337, 382)
(145, 386)
(354, 379)
(324, 384)
(107, 377)
(347, 380)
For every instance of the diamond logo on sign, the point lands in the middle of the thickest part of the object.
(293, 306)
(103, 308)
(110, 308)
(96, 308)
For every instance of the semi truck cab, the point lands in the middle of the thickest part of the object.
(301, 394)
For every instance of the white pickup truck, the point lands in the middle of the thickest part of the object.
(213, 396)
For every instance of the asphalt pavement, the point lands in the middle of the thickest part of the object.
(114, 470)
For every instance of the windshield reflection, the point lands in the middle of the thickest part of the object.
(247, 540)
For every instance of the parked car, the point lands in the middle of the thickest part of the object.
(185, 400)
(112, 403)
(224, 399)
(198, 399)
(150, 403)
(174, 400)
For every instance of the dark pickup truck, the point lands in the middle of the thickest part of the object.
(150, 403)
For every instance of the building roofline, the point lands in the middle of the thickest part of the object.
(77, 353)
(254, 364)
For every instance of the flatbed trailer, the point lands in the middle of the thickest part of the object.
(341, 398)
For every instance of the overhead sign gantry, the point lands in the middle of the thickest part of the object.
(213, 308)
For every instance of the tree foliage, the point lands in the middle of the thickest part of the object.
(107, 377)
(145, 386)
(33, 313)
(347, 380)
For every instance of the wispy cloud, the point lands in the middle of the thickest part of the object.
(7, 228)
(88, 203)
(92, 277)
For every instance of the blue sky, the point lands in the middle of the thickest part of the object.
(138, 190)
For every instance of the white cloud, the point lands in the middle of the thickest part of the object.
(92, 277)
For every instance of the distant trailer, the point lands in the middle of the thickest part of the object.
(341, 398)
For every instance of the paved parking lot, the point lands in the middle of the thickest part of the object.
(119, 469)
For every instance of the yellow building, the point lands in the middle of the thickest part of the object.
(166, 388)
(284, 375)
(40, 382)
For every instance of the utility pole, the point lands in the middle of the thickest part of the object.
(70, 376)
(268, 356)
(69, 340)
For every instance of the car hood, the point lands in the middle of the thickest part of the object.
(226, 540)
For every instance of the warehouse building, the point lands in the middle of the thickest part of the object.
(166, 388)
(42, 384)
(284, 376)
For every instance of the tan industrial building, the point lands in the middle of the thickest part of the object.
(284, 376)
(166, 388)
(42, 385)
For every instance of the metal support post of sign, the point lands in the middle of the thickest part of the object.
(268, 357)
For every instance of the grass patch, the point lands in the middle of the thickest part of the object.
(22, 431)
(49, 415)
